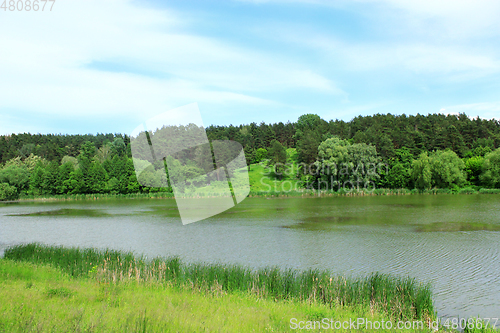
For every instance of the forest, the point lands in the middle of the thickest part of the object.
(405, 151)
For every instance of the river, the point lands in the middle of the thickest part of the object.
(415, 235)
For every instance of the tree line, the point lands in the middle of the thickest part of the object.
(420, 151)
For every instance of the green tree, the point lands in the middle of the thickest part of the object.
(76, 183)
(36, 180)
(421, 172)
(118, 147)
(490, 175)
(70, 159)
(307, 148)
(309, 122)
(97, 178)
(50, 182)
(277, 157)
(132, 185)
(113, 186)
(63, 182)
(260, 154)
(398, 176)
(473, 169)
(104, 153)
(342, 164)
(15, 175)
(87, 153)
(8, 192)
(454, 140)
(478, 151)
(441, 169)
(310, 132)
(399, 173)
(447, 169)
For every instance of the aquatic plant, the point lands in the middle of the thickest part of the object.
(401, 298)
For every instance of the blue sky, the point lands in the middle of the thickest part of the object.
(107, 66)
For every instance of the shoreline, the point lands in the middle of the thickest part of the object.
(259, 194)
(394, 296)
(87, 280)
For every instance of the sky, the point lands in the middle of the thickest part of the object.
(106, 66)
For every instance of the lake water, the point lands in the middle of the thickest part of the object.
(347, 235)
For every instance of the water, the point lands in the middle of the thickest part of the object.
(400, 235)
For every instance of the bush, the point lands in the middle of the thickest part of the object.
(8, 192)
(467, 190)
(490, 175)
(489, 191)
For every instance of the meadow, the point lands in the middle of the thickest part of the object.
(71, 289)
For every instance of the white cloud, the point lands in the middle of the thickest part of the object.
(460, 18)
(450, 18)
(46, 63)
(460, 62)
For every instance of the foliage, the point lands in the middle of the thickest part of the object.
(8, 192)
(15, 175)
(447, 169)
(277, 157)
(260, 154)
(422, 172)
(398, 173)
(86, 305)
(491, 169)
(70, 159)
(397, 140)
(440, 169)
(473, 169)
(118, 146)
(342, 164)
(400, 298)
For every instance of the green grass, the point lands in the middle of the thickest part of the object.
(52, 289)
(261, 180)
(400, 298)
(38, 298)
(96, 196)
(489, 191)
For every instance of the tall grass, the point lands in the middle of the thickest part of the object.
(260, 193)
(400, 298)
(489, 191)
(96, 196)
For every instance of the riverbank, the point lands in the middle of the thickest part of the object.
(401, 298)
(43, 299)
(261, 194)
(60, 289)
(313, 294)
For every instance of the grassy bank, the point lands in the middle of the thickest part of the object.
(400, 298)
(281, 192)
(60, 289)
(96, 196)
(40, 298)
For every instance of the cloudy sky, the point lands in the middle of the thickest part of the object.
(93, 66)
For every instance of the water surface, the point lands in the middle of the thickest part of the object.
(451, 241)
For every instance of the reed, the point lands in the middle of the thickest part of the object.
(489, 191)
(96, 196)
(257, 193)
(400, 298)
